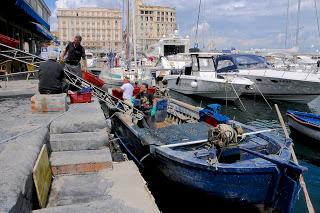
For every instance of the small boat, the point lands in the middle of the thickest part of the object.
(305, 123)
(214, 157)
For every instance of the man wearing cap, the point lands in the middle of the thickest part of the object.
(51, 76)
(127, 90)
(75, 51)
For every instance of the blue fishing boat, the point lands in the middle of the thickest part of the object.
(305, 123)
(220, 157)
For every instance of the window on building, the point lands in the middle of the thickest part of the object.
(162, 19)
(162, 13)
(141, 12)
(146, 12)
(146, 18)
(151, 18)
(167, 13)
(158, 18)
(158, 13)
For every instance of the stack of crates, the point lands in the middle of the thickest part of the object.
(162, 105)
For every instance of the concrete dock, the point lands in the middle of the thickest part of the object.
(85, 176)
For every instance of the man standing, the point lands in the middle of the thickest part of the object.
(75, 52)
(51, 76)
(127, 90)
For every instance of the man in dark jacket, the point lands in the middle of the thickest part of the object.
(74, 51)
(51, 76)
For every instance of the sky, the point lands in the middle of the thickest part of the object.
(242, 24)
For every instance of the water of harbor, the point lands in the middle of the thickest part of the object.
(171, 198)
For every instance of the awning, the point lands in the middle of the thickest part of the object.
(30, 11)
(43, 30)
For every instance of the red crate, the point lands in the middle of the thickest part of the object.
(91, 78)
(9, 41)
(80, 97)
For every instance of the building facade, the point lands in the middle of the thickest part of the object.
(153, 23)
(26, 21)
(100, 28)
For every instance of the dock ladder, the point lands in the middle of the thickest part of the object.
(33, 60)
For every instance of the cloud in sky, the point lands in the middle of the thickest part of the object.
(242, 24)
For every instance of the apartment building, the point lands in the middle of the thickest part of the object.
(153, 23)
(100, 28)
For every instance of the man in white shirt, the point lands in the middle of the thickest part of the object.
(127, 90)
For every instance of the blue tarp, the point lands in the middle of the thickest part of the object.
(306, 117)
(30, 11)
(213, 111)
(44, 31)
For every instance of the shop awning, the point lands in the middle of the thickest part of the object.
(30, 11)
(43, 31)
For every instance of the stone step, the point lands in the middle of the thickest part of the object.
(119, 190)
(78, 141)
(80, 162)
(86, 117)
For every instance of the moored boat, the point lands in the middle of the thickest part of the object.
(251, 167)
(202, 80)
(305, 123)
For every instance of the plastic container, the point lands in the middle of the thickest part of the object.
(91, 78)
(9, 41)
(80, 97)
(162, 104)
(151, 90)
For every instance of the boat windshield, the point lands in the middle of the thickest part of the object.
(251, 62)
(89, 56)
(206, 64)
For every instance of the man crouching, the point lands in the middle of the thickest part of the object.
(51, 76)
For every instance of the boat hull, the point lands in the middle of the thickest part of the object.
(304, 129)
(290, 90)
(206, 88)
(246, 188)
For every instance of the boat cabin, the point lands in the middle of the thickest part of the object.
(224, 63)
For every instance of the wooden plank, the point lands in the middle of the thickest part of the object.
(42, 176)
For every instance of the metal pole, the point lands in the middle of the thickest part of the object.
(298, 24)
(134, 37)
(287, 23)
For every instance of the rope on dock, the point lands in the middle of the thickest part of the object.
(35, 129)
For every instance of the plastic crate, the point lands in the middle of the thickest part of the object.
(162, 104)
(9, 41)
(151, 90)
(91, 78)
(80, 97)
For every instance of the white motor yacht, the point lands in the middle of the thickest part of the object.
(202, 80)
(300, 87)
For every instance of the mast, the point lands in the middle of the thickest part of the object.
(134, 36)
(287, 23)
(127, 37)
(298, 24)
(196, 40)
